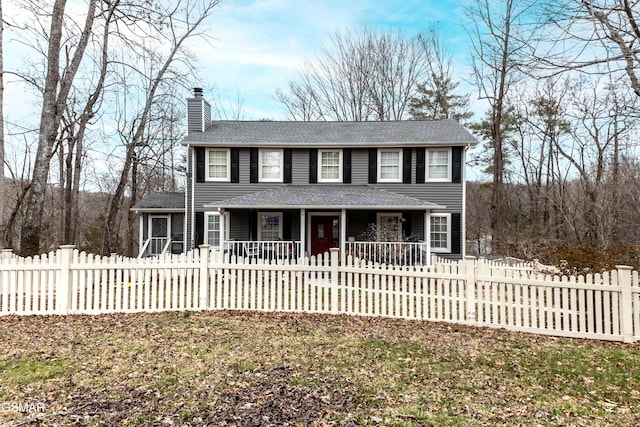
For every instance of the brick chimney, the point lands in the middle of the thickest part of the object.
(198, 112)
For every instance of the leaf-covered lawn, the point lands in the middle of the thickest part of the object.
(261, 369)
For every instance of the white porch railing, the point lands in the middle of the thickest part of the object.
(264, 249)
(391, 253)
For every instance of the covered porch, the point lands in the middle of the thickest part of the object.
(306, 220)
(161, 223)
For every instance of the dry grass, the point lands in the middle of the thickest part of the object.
(235, 368)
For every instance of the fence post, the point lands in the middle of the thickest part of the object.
(626, 303)
(470, 278)
(63, 287)
(335, 278)
(7, 254)
(204, 277)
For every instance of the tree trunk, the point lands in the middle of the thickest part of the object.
(31, 223)
(55, 95)
(2, 180)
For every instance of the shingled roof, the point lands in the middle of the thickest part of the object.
(165, 201)
(408, 132)
(324, 197)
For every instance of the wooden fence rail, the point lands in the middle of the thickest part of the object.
(474, 292)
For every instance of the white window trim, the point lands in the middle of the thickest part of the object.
(223, 236)
(278, 214)
(396, 215)
(320, 179)
(448, 248)
(226, 178)
(281, 176)
(399, 178)
(427, 170)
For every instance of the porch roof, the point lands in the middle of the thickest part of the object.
(320, 196)
(160, 202)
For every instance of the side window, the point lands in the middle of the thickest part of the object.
(212, 232)
(440, 232)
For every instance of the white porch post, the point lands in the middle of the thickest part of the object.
(343, 229)
(427, 235)
(141, 233)
(222, 229)
(303, 233)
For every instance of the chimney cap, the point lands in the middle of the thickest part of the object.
(197, 92)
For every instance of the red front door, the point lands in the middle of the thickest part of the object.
(324, 234)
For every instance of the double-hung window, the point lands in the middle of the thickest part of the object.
(213, 230)
(438, 165)
(271, 165)
(270, 226)
(440, 232)
(390, 165)
(388, 227)
(330, 169)
(218, 165)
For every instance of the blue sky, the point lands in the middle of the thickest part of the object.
(258, 45)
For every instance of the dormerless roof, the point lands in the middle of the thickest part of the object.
(324, 196)
(169, 202)
(279, 133)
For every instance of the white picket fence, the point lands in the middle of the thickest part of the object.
(474, 292)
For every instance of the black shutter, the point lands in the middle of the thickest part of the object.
(287, 166)
(254, 225)
(235, 165)
(313, 166)
(199, 228)
(420, 158)
(346, 166)
(253, 165)
(200, 163)
(456, 233)
(406, 166)
(456, 164)
(287, 223)
(373, 165)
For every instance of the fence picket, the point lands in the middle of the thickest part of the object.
(604, 306)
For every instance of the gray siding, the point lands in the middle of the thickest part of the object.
(442, 193)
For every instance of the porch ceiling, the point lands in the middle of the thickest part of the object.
(319, 196)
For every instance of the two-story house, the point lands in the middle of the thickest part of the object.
(300, 188)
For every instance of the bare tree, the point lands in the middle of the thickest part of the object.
(174, 26)
(2, 180)
(57, 85)
(586, 35)
(542, 123)
(496, 36)
(361, 76)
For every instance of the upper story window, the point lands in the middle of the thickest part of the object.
(270, 166)
(330, 169)
(438, 165)
(389, 165)
(218, 165)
